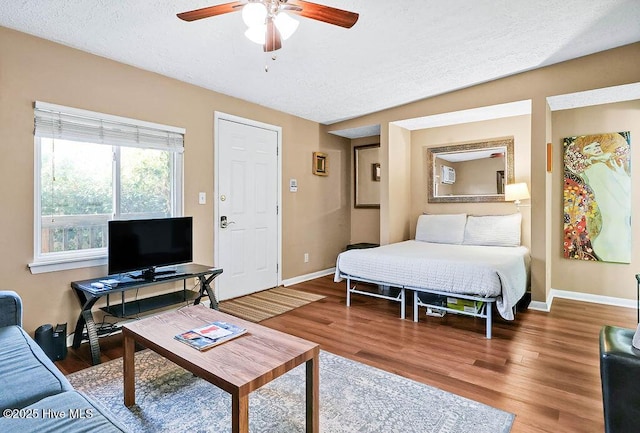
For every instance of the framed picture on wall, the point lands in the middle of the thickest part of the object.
(500, 181)
(366, 176)
(597, 197)
(320, 164)
(375, 172)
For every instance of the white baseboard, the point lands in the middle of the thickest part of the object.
(308, 277)
(583, 297)
(540, 306)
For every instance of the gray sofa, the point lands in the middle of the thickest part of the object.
(34, 395)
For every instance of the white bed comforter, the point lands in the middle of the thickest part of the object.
(500, 272)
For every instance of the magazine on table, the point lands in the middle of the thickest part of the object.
(211, 335)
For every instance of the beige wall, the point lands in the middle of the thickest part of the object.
(365, 223)
(599, 278)
(315, 219)
(608, 68)
(519, 127)
(398, 204)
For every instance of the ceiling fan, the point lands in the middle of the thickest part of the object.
(268, 20)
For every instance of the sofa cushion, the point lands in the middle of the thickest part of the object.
(67, 412)
(28, 375)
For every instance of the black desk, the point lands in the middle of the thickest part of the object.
(88, 296)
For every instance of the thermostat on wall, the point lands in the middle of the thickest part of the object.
(293, 185)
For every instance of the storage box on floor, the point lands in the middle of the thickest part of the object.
(466, 305)
(432, 299)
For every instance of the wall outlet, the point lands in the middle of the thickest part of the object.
(202, 198)
(306, 257)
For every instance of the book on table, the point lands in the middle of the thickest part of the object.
(211, 335)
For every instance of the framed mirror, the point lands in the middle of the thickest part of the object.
(366, 160)
(470, 172)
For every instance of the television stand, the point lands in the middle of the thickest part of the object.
(140, 306)
(89, 295)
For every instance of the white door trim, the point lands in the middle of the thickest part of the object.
(216, 200)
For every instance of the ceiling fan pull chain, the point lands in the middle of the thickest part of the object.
(268, 56)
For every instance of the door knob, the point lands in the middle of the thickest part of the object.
(224, 223)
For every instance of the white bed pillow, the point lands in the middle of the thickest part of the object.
(493, 230)
(442, 229)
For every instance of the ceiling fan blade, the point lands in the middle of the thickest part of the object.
(212, 11)
(272, 41)
(323, 13)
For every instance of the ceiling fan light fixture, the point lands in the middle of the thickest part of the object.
(267, 23)
(256, 34)
(254, 14)
(286, 24)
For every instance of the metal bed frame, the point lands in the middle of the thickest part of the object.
(484, 313)
(399, 298)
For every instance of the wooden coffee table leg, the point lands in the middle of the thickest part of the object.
(239, 413)
(129, 370)
(313, 394)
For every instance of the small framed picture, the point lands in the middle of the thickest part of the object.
(320, 166)
(500, 181)
(375, 172)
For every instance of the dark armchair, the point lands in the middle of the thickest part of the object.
(620, 376)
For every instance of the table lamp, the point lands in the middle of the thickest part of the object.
(515, 192)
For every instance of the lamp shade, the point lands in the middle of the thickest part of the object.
(254, 14)
(516, 192)
(285, 24)
(256, 33)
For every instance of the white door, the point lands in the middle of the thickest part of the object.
(247, 179)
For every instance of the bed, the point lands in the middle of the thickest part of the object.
(477, 258)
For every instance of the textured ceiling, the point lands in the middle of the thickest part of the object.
(398, 52)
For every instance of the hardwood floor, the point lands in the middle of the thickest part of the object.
(543, 367)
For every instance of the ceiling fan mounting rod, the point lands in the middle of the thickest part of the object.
(272, 6)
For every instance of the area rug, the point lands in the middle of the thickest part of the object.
(268, 303)
(353, 398)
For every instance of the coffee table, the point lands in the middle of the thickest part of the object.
(238, 366)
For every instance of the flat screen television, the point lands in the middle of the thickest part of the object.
(146, 244)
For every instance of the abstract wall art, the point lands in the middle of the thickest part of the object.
(597, 197)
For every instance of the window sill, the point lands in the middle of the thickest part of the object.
(63, 265)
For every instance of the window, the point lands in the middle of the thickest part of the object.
(91, 168)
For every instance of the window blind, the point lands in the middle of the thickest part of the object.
(66, 123)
